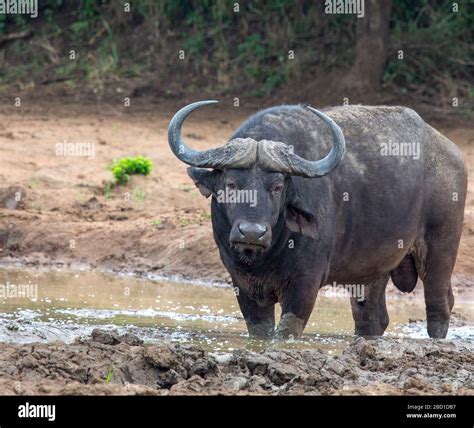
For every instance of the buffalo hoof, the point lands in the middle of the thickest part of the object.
(372, 329)
(261, 331)
(438, 329)
(290, 326)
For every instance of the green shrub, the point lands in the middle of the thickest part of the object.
(230, 51)
(123, 168)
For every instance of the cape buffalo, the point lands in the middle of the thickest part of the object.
(393, 207)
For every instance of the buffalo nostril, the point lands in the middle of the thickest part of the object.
(252, 230)
(261, 230)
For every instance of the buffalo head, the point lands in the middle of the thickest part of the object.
(251, 181)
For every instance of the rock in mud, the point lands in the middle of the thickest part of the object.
(111, 337)
(92, 204)
(12, 197)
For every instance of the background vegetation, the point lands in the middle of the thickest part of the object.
(232, 52)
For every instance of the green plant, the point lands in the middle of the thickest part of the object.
(187, 187)
(185, 222)
(206, 216)
(110, 374)
(436, 43)
(33, 183)
(139, 194)
(123, 168)
(108, 186)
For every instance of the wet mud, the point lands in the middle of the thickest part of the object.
(110, 363)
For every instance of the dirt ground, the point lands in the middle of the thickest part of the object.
(110, 364)
(159, 224)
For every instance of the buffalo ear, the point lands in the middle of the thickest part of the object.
(300, 220)
(206, 181)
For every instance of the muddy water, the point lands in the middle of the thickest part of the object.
(62, 305)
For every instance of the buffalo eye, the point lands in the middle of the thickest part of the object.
(231, 185)
(277, 189)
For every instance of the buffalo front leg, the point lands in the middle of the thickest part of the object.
(370, 310)
(260, 320)
(296, 309)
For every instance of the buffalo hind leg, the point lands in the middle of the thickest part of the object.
(260, 320)
(442, 246)
(370, 312)
(439, 299)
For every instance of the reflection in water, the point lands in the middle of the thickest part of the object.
(69, 304)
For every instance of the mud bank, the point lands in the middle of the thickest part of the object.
(107, 363)
(136, 247)
(68, 216)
